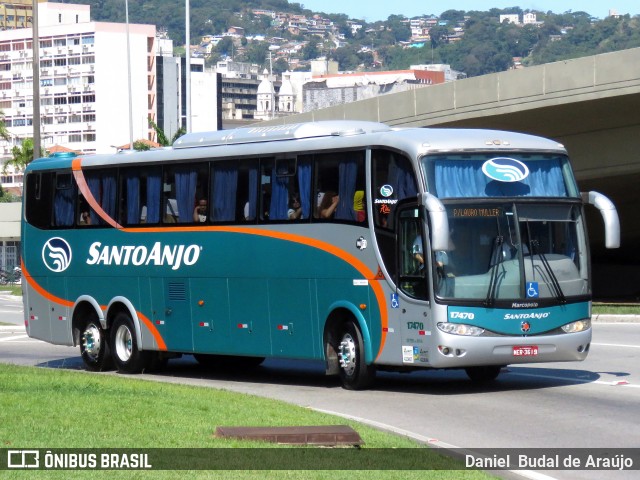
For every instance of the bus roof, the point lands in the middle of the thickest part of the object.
(317, 136)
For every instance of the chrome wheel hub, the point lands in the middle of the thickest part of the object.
(123, 343)
(347, 354)
(92, 341)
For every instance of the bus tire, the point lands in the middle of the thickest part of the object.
(126, 355)
(484, 374)
(355, 374)
(94, 346)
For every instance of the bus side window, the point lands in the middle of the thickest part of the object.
(181, 187)
(411, 254)
(38, 195)
(233, 191)
(140, 190)
(64, 200)
(103, 187)
(393, 179)
(337, 180)
(266, 167)
(284, 181)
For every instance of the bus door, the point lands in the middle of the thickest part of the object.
(210, 314)
(412, 268)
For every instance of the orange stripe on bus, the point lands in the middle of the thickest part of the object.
(42, 291)
(78, 174)
(154, 331)
(290, 237)
(52, 298)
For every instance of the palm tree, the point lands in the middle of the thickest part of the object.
(21, 155)
(162, 138)
(4, 133)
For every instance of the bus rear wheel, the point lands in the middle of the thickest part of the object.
(126, 355)
(355, 374)
(94, 346)
(485, 374)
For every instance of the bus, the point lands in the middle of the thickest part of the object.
(353, 243)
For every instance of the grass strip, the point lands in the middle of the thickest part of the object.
(46, 408)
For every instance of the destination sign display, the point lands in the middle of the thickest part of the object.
(477, 212)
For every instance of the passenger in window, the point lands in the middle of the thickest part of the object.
(329, 204)
(171, 213)
(200, 212)
(295, 208)
(359, 206)
(85, 218)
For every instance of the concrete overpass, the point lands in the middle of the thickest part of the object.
(590, 104)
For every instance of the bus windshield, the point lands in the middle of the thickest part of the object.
(510, 251)
(516, 174)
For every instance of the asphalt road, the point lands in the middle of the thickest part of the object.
(593, 404)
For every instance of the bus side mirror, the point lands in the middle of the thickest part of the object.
(439, 221)
(609, 216)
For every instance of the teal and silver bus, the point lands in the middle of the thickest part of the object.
(353, 243)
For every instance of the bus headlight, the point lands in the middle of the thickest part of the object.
(460, 329)
(578, 326)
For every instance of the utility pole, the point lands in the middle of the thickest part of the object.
(37, 150)
(188, 64)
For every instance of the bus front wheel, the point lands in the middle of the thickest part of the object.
(126, 355)
(354, 371)
(94, 346)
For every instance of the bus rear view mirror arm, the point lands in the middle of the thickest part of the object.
(609, 215)
(439, 221)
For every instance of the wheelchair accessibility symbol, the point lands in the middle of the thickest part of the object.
(395, 303)
(532, 290)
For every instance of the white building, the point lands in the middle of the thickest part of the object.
(171, 100)
(511, 18)
(205, 110)
(83, 80)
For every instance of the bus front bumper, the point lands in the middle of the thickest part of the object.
(455, 351)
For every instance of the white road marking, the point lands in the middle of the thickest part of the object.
(428, 440)
(615, 383)
(8, 339)
(615, 345)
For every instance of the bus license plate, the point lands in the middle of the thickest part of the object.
(528, 351)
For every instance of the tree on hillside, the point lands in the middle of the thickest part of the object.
(311, 51)
(280, 66)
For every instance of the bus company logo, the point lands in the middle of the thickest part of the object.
(505, 169)
(525, 326)
(386, 191)
(56, 254)
(171, 255)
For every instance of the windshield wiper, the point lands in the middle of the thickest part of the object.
(495, 262)
(554, 284)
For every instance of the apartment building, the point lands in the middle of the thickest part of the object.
(84, 75)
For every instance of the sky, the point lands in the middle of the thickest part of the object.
(374, 10)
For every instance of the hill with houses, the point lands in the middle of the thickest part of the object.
(287, 36)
